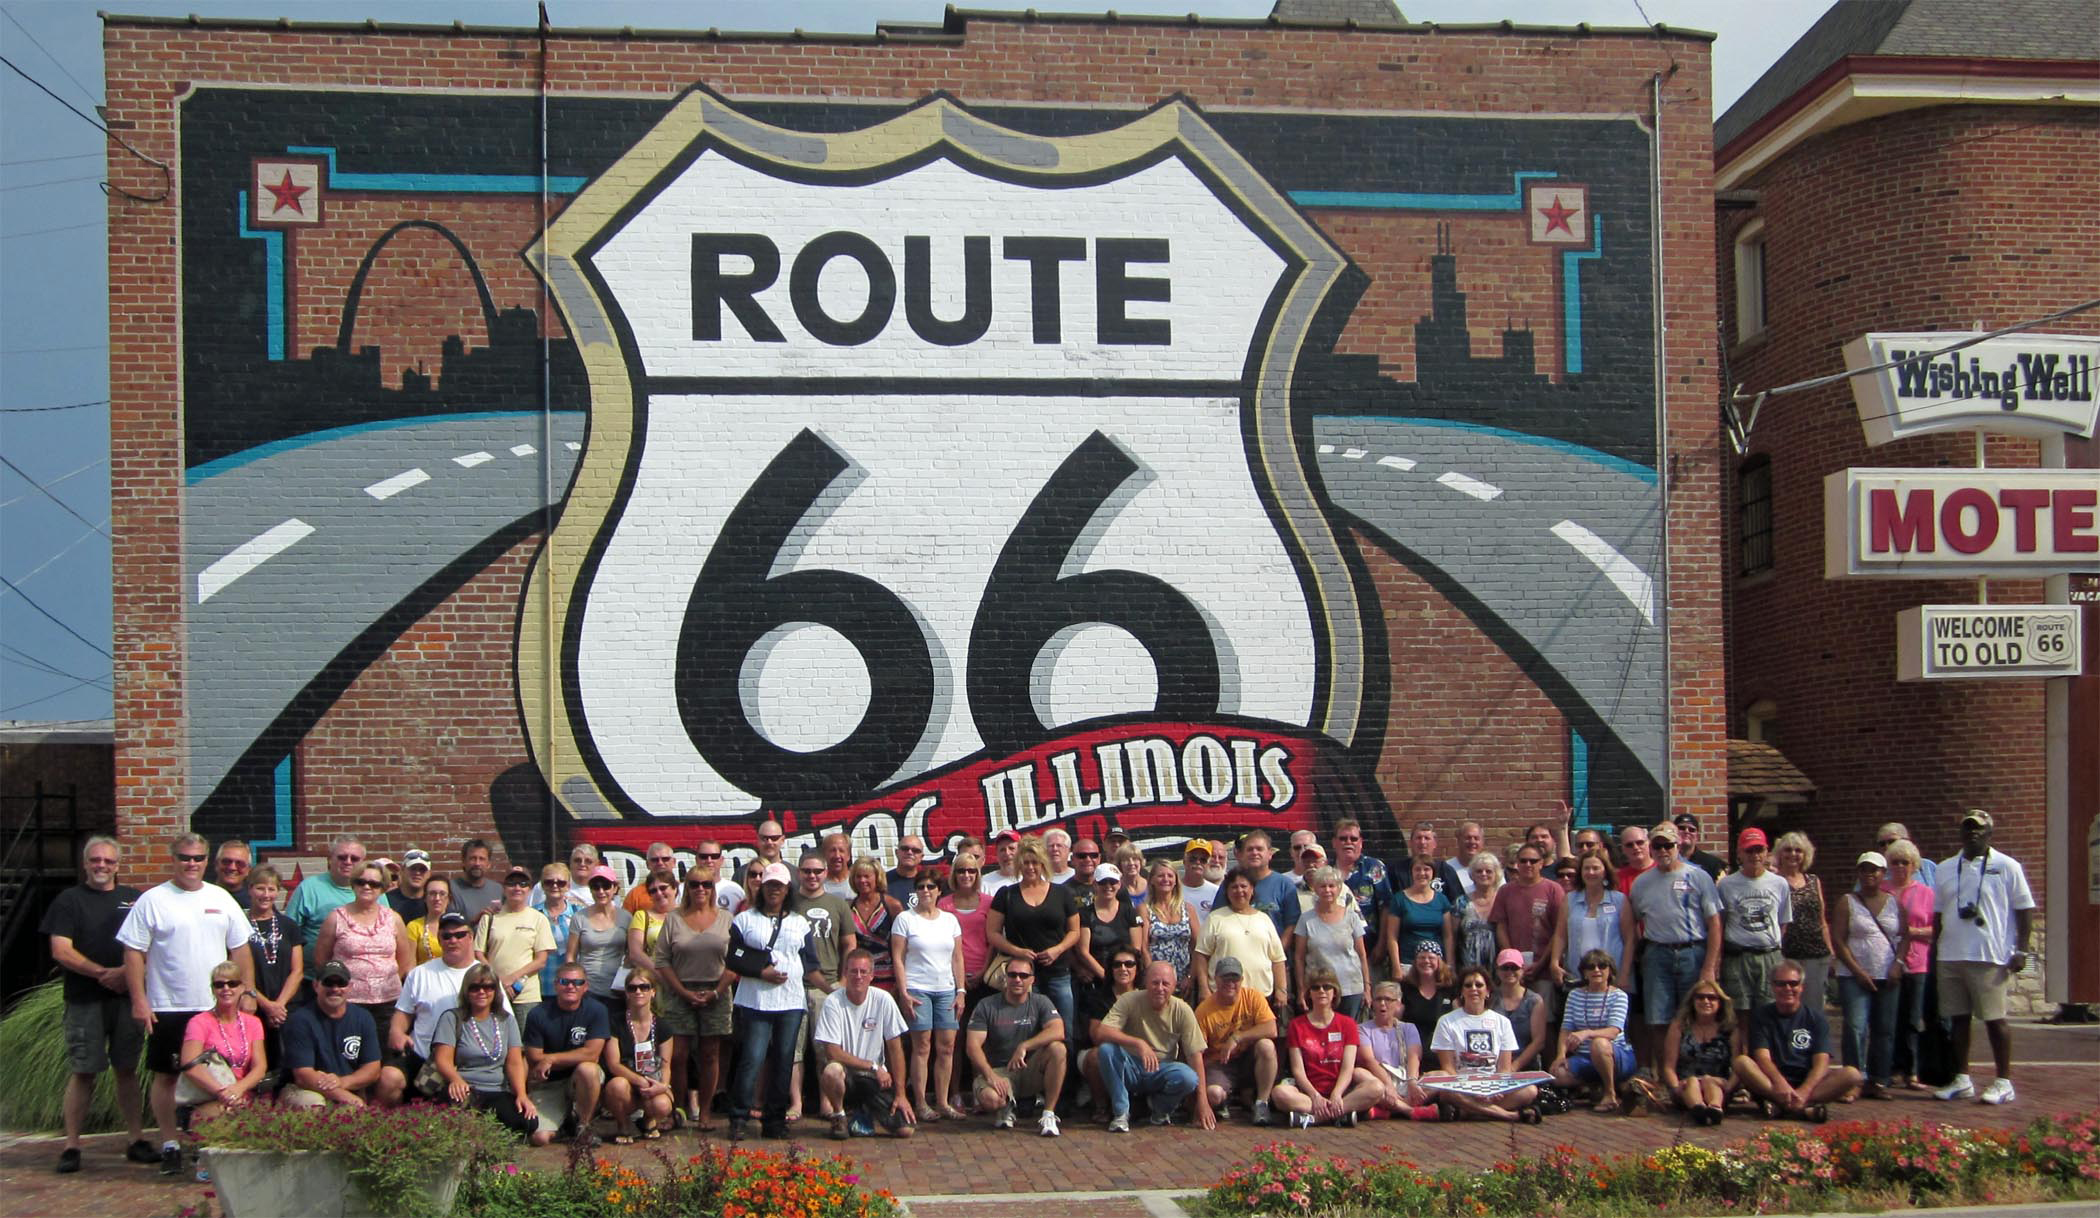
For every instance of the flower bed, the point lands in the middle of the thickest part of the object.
(714, 1183)
(1851, 1165)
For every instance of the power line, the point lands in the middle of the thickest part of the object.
(60, 64)
(49, 409)
(67, 549)
(8, 710)
(23, 658)
(90, 177)
(161, 165)
(49, 494)
(31, 602)
(63, 228)
(45, 350)
(45, 160)
(71, 473)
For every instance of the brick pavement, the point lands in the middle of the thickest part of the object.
(967, 1163)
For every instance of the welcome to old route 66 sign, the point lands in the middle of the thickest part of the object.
(938, 471)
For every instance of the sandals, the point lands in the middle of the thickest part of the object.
(1446, 1111)
(1529, 1114)
(952, 1113)
(649, 1131)
(1816, 1114)
(621, 1139)
(1608, 1105)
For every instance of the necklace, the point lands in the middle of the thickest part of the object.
(481, 1044)
(268, 942)
(238, 1060)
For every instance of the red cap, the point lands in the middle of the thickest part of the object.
(1005, 836)
(1751, 837)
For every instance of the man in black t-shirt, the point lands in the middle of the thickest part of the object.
(564, 1041)
(1788, 1067)
(100, 1033)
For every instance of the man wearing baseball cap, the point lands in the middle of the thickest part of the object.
(1756, 906)
(1680, 917)
(407, 900)
(1688, 846)
(1197, 888)
(1982, 922)
(331, 1046)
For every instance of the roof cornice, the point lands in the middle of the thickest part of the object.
(1860, 87)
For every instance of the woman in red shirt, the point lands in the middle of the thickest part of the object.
(1325, 1085)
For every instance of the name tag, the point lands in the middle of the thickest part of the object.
(1334, 1036)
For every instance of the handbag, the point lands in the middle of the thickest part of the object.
(745, 960)
(995, 971)
(189, 1094)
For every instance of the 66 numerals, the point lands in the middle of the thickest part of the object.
(735, 603)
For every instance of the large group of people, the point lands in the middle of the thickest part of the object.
(1039, 978)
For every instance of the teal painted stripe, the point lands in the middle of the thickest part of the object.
(439, 183)
(273, 278)
(1579, 777)
(281, 790)
(249, 456)
(1402, 201)
(1571, 290)
(1620, 465)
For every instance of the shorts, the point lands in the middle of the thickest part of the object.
(1668, 973)
(101, 1032)
(554, 1100)
(935, 1011)
(1030, 1079)
(683, 1018)
(1239, 1072)
(411, 1063)
(1973, 988)
(164, 1043)
(1580, 1065)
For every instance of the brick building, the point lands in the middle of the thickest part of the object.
(1910, 165)
(518, 433)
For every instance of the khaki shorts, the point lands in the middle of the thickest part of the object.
(1971, 987)
(1029, 1079)
(100, 1033)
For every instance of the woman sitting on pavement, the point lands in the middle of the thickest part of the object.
(634, 1062)
(1124, 969)
(223, 1059)
(1594, 1050)
(1325, 1086)
(477, 1051)
(1524, 1008)
(1699, 1052)
(1474, 1039)
(1394, 1050)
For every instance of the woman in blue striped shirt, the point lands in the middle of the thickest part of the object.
(1594, 1048)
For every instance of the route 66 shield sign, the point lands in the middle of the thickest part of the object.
(916, 448)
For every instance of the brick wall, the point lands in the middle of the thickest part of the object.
(412, 744)
(1933, 219)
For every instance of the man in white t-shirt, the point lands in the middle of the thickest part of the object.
(1197, 888)
(861, 1033)
(430, 989)
(175, 934)
(1058, 845)
(1982, 921)
(1005, 847)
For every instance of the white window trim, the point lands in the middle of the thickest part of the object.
(1751, 285)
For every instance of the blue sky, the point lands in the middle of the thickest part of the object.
(55, 643)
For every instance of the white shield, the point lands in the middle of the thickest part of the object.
(924, 443)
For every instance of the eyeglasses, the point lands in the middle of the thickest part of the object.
(368, 883)
(1108, 879)
(1014, 976)
(1785, 985)
(333, 983)
(450, 935)
(1662, 843)
(1086, 854)
(771, 837)
(1509, 967)
(226, 985)
(517, 883)
(571, 983)
(1587, 968)
(605, 885)
(911, 849)
(1318, 986)
(481, 987)
(1354, 837)
(1753, 850)
(815, 873)
(1123, 964)
(233, 864)
(661, 888)
(349, 858)
(706, 856)
(554, 883)
(1711, 997)
(929, 887)
(188, 858)
(963, 871)
(643, 988)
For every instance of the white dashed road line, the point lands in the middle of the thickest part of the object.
(470, 460)
(522, 450)
(249, 555)
(390, 487)
(1483, 491)
(1629, 579)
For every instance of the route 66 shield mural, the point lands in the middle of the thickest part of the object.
(940, 469)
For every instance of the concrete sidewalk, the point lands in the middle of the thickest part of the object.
(968, 1170)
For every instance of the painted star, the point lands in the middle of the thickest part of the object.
(1556, 216)
(286, 194)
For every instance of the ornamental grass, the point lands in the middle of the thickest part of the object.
(1841, 1166)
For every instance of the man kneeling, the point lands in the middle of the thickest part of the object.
(1021, 1031)
(861, 1033)
(564, 1047)
(1788, 1067)
(1141, 1030)
(331, 1048)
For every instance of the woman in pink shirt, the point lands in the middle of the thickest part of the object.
(1914, 898)
(371, 941)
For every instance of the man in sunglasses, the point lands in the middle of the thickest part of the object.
(1016, 1040)
(902, 880)
(658, 857)
(729, 895)
(564, 1041)
(1757, 905)
(231, 863)
(1788, 1067)
(1679, 912)
(831, 938)
(175, 934)
(331, 1047)
(772, 840)
(430, 989)
(317, 896)
(516, 940)
(1086, 855)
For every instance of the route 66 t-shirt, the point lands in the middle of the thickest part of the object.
(1478, 1040)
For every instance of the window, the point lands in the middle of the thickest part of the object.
(1761, 721)
(1750, 281)
(1754, 515)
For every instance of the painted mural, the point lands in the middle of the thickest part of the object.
(917, 468)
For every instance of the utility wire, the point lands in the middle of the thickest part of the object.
(96, 123)
(60, 64)
(68, 548)
(45, 160)
(31, 602)
(23, 658)
(87, 177)
(71, 473)
(43, 350)
(8, 710)
(48, 494)
(49, 409)
(1924, 356)
(63, 228)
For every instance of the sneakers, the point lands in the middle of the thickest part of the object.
(1119, 1123)
(860, 1126)
(1262, 1114)
(1164, 1116)
(1960, 1089)
(1301, 1120)
(838, 1127)
(142, 1151)
(2000, 1091)
(68, 1161)
(1046, 1125)
(1005, 1119)
(171, 1160)
(1347, 1120)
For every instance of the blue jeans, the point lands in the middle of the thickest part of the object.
(1125, 1077)
(1910, 1020)
(1668, 973)
(1057, 987)
(1870, 1026)
(768, 1043)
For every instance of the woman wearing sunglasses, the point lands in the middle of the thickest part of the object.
(372, 942)
(598, 937)
(634, 1062)
(1594, 1050)
(1476, 1039)
(688, 962)
(1326, 1086)
(223, 1057)
(1699, 1052)
(476, 1051)
(926, 943)
(659, 902)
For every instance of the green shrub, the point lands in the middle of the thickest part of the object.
(33, 1086)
